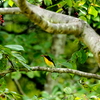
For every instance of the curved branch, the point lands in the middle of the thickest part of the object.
(55, 70)
(50, 26)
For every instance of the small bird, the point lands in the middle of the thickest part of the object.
(48, 61)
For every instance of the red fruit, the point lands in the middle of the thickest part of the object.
(2, 21)
(0, 18)
(0, 15)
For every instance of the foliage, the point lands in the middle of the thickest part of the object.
(87, 10)
(13, 57)
(22, 43)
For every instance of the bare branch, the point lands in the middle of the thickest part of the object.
(75, 27)
(56, 70)
(14, 10)
(92, 40)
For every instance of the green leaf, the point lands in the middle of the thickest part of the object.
(71, 97)
(19, 57)
(98, 26)
(10, 2)
(15, 94)
(85, 7)
(47, 2)
(74, 65)
(67, 64)
(35, 97)
(89, 54)
(83, 18)
(88, 17)
(92, 11)
(81, 2)
(69, 2)
(2, 84)
(3, 64)
(15, 47)
(82, 12)
(82, 57)
(37, 47)
(96, 19)
(25, 65)
(74, 57)
(16, 75)
(67, 90)
(30, 74)
(45, 94)
(95, 24)
(59, 10)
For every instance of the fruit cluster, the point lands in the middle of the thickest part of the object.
(1, 20)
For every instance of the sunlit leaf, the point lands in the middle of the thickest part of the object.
(45, 94)
(92, 11)
(67, 90)
(15, 47)
(69, 2)
(83, 18)
(10, 2)
(59, 10)
(81, 2)
(15, 94)
(88, 17)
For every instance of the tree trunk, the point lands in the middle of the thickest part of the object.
(58, 45)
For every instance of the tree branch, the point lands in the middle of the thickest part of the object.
(75, 27)
(55, 70)
(68, 25)
(14, 10)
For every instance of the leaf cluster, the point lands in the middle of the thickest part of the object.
(10, 55)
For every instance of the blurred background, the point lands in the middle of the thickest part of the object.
(65, 50)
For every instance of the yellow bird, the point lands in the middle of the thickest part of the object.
(48, 61)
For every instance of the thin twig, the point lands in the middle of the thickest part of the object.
(18, 87)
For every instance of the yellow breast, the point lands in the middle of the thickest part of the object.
(49, 63)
